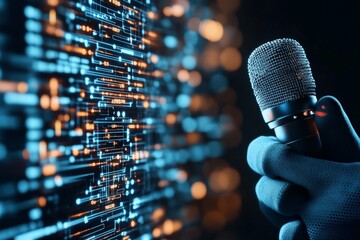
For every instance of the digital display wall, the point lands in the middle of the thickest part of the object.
(114, 118)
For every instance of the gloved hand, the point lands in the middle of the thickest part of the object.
(312, 198)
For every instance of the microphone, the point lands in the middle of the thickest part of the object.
(284, 88)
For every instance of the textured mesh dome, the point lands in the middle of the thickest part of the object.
(279, 72)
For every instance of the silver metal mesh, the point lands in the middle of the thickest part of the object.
(280, 72)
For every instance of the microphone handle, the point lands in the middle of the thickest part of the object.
(302, 136)
(294, 124)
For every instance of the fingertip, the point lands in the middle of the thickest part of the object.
(295, 230)
(281, 196)
(327, 105)
(258, 151)
(334, 128)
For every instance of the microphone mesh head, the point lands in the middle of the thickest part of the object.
(280, 72)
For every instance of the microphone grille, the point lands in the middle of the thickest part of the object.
(279, 72)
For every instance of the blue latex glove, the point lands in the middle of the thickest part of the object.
(309, 197)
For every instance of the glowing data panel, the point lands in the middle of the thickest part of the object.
(106, 118)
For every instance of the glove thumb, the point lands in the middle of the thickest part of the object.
(339, 139)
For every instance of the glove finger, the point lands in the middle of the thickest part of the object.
(267, 156)
(339, 139)
(282, 197)
(295, 230)
(274, 217)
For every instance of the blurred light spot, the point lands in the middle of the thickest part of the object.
(194, 24)
(198, 190)
(23, 186)
(158, 214)
(182, 176)
(223, 180)
(214, 221)
(53, 3)
(156, 232)
(195, 79)
(230, 59)
(211, 30)
(170, 41)
(183, 100)
(170, 119)
(175, 10)
(168, 227)
(230, 205)
(193, 138)
(42, 201)
(32, 172)
(49, 169)
(218, 83)
(35, 213)
(183, 75)
(210, 57)
(189, 62)
(154, 58)
(189, 124)
(232, 37)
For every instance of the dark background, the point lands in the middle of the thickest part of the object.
(328, 32)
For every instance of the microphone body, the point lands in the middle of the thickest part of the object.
(283, 85)
(294, 124)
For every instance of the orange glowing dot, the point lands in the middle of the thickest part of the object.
(195, 79)
(223, 180)
(44, 101)
(171, 119)
(146, 104)
(58, 180)
(154, 58)
(182, 176)
(75, 152)
(156, 232)
(168, 227)
(152, 15)
(54, 86)
(167, 11)
(53, 3)
(22, 87)
(230, 59)
(177, 10)
(183, 75)
(52, 16)
(58, 128)
(132, 223)
(25, 154)
(198, 190)
(86, 151)
(49, 170)
(157, 214)
(211, 30)
(42, 201)
(54, 103)
(158, 73)
(42, 149)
